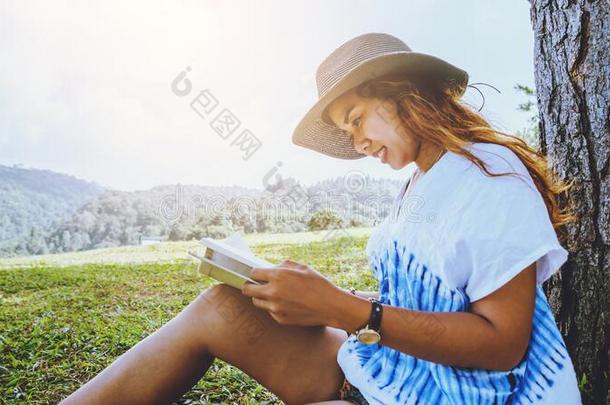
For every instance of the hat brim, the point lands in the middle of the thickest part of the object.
(314, 133)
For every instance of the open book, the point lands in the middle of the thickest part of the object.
(229, 260)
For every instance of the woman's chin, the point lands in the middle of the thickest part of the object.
(392, 165)
(395, 165)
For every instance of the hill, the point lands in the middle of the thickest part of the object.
(33, 201)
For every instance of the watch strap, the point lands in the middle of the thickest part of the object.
(374, 321)
(376, 313)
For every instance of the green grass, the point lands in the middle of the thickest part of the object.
(67, 317)
(168, 251)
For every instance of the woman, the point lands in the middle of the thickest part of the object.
(460, 316)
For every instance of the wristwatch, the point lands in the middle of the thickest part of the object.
(369, 333)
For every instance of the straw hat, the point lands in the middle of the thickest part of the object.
(358, 60)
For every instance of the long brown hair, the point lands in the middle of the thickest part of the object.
(437, 115)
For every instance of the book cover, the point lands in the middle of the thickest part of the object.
(229, 260)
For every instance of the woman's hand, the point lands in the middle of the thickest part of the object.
(294, 293)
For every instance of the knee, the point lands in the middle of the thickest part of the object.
(217, 292)
(215, 299)
(211, 295)
(217, 309)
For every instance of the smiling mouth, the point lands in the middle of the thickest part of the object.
(381, 153)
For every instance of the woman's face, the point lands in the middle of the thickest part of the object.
(375, 126)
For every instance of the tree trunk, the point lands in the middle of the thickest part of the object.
(572, 70)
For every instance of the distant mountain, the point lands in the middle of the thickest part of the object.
(33, 201)
(46, 212)
(117, 218)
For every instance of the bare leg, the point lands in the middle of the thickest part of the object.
(298, 364)
(157, 370)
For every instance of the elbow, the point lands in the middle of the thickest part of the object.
(503, 352)
(508, 350)
(499, 363)
(510, 356)
(507, 365)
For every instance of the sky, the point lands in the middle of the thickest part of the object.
(86, 87)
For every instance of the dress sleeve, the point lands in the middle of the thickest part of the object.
(505, 229)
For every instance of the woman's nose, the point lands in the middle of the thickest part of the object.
(362, 145)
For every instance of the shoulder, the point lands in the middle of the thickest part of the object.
(498, 157)
(488, 196)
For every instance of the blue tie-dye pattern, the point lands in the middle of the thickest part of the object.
(404, 379)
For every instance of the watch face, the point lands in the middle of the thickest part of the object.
(368, 336)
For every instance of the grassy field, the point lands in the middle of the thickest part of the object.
(66, 317)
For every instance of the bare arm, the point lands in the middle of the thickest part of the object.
(494, 335)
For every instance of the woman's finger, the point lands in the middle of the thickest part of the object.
(254, 290)
(293, 264)
(261, 303)
(262, 273)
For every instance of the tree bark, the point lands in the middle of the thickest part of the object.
(572, 71)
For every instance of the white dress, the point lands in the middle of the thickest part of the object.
(459, 236)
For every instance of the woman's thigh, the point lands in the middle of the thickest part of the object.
(296, 363)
